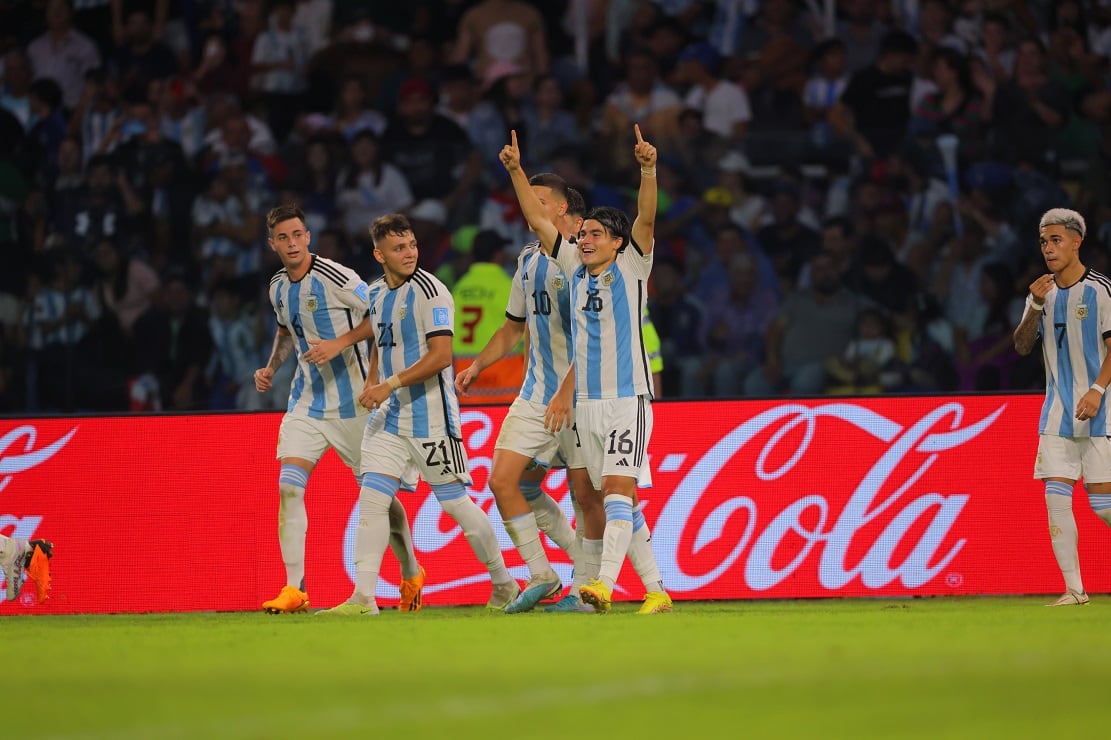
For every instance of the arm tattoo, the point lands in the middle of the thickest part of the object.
(1026, 334)
(283, 346)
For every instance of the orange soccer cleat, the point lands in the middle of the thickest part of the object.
(411, 592)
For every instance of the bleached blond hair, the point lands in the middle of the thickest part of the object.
(1066, 217)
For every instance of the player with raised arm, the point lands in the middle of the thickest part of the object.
(20, 558)
(613, 382)
(417, 420)
(1070, 309)
(322, 312)
(540, 302)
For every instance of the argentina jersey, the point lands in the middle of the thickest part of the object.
(329, 301)
(541, 297)
(404, 319)
(610, 358)
(1075, 323)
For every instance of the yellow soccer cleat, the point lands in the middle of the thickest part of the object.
(349, 609)
(597, 595)
(655, 602)
(411, 592)
(290, 600)
(503, 595)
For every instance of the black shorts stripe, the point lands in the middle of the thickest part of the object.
(460, 457)
(444, 400)
(640, 338)
(641, 422)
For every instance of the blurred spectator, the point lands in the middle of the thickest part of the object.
(875, 107)
(494, 31)
(985, 352)
(351, 114)
(785, 240)
(995, 52)
(837, 240)
(824, 89)
(60, 313)
(125, 286)
(279, 64)
(811, 326)
(49, 127)
(887, 284)
(225, 229)
(677, 316)
(141, 58)
(862, 32)
(500, 111)
(749, 209)
(234, 358)
(724, 105)
(176, 345)
(16, 91)
(731, 338)
(866, 366)
(643, 98)
(433, 154)
(62, 53)
(955, 108)
(315, 179)
(96, 210)
(1028, 109)
(219, 70)
(181, 116)
(368, 188)
(97, 114)
(550, 127)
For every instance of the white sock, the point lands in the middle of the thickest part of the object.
(293, 523)
(616, 539)
(401, 540)
(372, 536)
(591, 564)
(1062, 533)
(550, 519)
(476, 528)
(11, 548)
(642, 557)
(526, 536)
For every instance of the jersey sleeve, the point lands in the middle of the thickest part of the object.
(354, 294)
(633, 262)
(566, 256)
(275, 286)
(437, 314)
(517, 309)
(1103, 301)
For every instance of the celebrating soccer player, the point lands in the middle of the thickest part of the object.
(417, 422)
(613, 381)
(322, 310)
(1070, 309)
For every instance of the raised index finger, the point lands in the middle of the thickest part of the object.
(636, 128)
(513, 138)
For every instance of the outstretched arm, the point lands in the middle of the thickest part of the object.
(533, 211)
(645, 225)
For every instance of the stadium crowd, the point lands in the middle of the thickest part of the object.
(848, 202)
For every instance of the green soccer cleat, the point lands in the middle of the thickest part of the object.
(502, 596)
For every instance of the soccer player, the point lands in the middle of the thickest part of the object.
(322, 310)
(20, 558)
(540, 302)
(418, 416)
(613, 382)
(1070, 309)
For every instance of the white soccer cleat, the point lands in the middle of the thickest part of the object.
(1071, 598)
(13, 565)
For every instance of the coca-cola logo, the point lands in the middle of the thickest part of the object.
(808, 513)
(11, 464)
(886, 499)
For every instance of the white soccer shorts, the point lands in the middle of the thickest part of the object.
(614, 434)
(437, 459)
(1073, 458)
(309, 439)
(523, 432)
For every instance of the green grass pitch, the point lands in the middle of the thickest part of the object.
(967, 667)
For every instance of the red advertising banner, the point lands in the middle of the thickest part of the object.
(752, 499)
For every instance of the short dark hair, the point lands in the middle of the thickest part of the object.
(48, 91)
(898, 42)
(284, 212)
(614, 221)
(576, 204)
(391, 223)
(550, 180)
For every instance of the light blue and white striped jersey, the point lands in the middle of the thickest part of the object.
(327, 302)
(404, 319)
(1074, 324)
(541, 296)
(610, 358)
